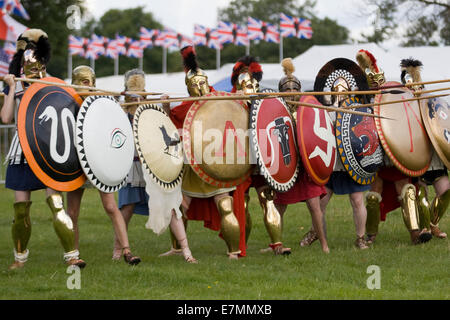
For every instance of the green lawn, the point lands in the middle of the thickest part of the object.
(407, 272)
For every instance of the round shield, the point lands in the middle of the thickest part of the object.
(436, 117)
(215, 140)
(273, 142)
(105, 142)
(316, 141)
(45, 125)
(403, 135)
(158, 145)
(358, 143)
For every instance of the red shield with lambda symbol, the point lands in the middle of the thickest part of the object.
(316, 140)
(215, 140)
(273, 142)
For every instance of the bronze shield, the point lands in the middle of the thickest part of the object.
(403, 136)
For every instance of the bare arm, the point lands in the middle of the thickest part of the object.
(165, 106)
(7, 111)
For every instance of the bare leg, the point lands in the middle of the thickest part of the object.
(120, 229)
(177, 228)
(359, 218)
(127, 212)
(317, 221)
(73, 210)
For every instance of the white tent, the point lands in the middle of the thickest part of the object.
(307, 66)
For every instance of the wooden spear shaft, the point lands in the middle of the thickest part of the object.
(310, 105)
(235, 97)
(395, 101)
(87, 88)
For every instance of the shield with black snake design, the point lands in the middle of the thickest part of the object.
(46, 126)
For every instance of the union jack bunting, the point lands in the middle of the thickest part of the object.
(206, 37)
(295, 27)
(135, 50)
(260, 30)
(96, 47)
(4, 63)
(78, 46)
(10, 48)
(151, 38)
(232, 33)
(14, 7)
(111, 49)
(175, 39)
(122, 44)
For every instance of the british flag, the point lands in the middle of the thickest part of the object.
(206, 37)
(78, 45)
(232, 33)
(260, 30)
(111, 49)
(295, 27)
(151, 38)
(15, 7)
(10, 48)
(96, 47)
(135, 50)
(122, 44)
(175, 39)
(4, 63)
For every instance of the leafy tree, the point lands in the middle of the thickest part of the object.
(427, 21)
(51, 16)
(325, 31)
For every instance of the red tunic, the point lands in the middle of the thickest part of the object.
(389, 201)
(204, 209)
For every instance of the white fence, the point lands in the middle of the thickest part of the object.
(6, 135)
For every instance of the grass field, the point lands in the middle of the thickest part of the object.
(407, 272)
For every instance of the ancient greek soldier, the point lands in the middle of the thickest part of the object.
(341, 75)
(132, 197)
(201, 201)
(436, 175)
(391, 188)
(30, 60)
(245, 78)
(85, 76)
(304, 188)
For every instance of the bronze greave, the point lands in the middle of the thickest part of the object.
(424, 209)
(21, 227)
(272, 218)
(62, 223)
(439, 207)
(229, 225)
(373, 200)
(409, 207)
(248, 219)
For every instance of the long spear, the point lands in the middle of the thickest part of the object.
(310, 105)
(109, 92)
(395, 101)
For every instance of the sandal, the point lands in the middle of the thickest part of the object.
(188, 257)
(438, 233)
(76, 262)
(360, 243)
(117, 254)
(309, 238)
(172, 252)
(278, 249)
(130, 259)
(370, 238)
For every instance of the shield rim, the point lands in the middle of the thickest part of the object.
(167, 186)
(277, 186)
(187, 144)
(339, 116)
(304, 156)
(26, 149)
(84, 108)
(425, 120)
(386, 148)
